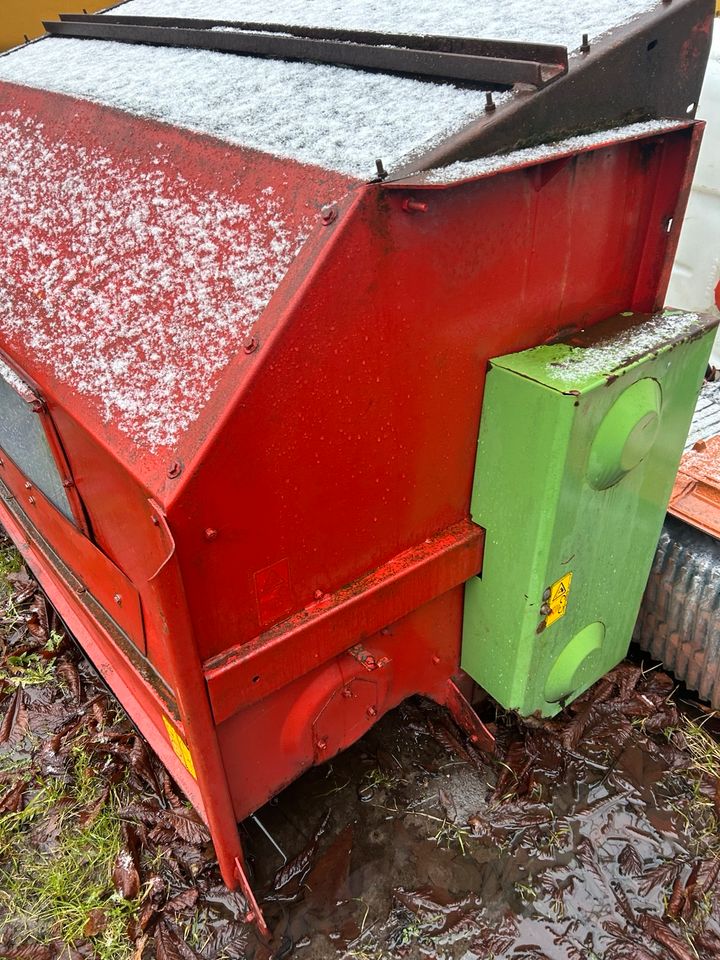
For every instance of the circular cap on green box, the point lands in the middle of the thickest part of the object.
(577, 665)
(626, 434)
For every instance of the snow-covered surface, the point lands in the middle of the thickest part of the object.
(706, 419)
(585, 363)
(464, 170)
(334, 118)
(549, 21)
(131, 285)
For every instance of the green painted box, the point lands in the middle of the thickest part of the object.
(578, 449)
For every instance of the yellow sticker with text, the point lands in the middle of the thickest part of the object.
(180, 748)
(558, 599)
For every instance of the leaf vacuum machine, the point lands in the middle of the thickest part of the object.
(334, 362)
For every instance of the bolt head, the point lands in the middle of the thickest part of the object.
(328, 213)
(211, 534)
(118, 599)
(411, 205)
(371, 712)
(174, 470)
(322, 744)
(250, 345)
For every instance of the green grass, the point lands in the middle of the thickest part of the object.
(48, 895)
(703, 747)
(10, 561)
(698, 811)
(56, 870)
(28, 670)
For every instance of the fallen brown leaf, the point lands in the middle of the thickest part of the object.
(12, 801)
(185, 900)
(15, 721)
(300, 864)
(126, 873)
(187, 824)
(664, 937)
(96, 923)
(68, 672)
(629, 861)
(28, 951)
(170, 946)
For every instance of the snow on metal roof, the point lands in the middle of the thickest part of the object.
(467, 169)
(335, 118)
(328, 116)
(544, 21)
(132, 286)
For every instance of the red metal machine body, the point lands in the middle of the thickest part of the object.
(262, 583)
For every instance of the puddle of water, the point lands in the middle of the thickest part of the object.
(583, 837)
(559, 847)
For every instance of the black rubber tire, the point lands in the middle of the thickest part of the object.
(679, 620)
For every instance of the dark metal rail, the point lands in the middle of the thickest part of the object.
(485, 63)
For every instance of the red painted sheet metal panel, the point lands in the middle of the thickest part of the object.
(355, 439)
(146, 703)
(135, 260)
(320, 713)
(334, 623)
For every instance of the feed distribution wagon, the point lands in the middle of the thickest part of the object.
(263, 287)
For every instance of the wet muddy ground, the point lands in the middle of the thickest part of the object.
(594, 835)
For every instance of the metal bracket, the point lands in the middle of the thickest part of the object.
(467, 719)
(359, 653)
(254, 914)
(485, 63)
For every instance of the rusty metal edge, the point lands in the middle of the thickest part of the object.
(632, 74)
(420, 181)
(472, 62)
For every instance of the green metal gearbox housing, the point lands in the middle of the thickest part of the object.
(578, 449)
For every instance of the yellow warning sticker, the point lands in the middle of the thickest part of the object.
(558, 599)
(180, 747)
